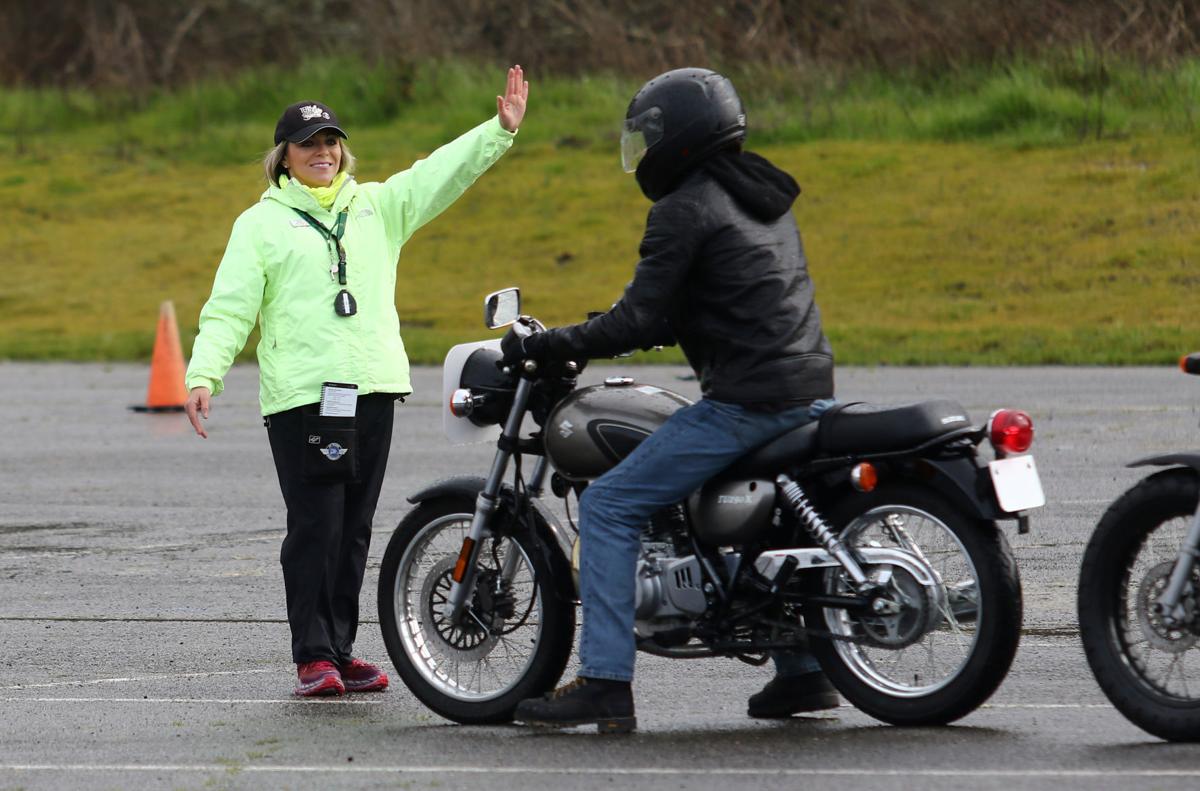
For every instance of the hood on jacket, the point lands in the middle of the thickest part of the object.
(759, 187)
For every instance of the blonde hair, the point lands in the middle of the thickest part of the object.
(273, 161)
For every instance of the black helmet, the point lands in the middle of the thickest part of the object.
(674, 122)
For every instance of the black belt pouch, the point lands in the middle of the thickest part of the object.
(330, 448)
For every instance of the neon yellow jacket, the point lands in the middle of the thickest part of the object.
(276, 268)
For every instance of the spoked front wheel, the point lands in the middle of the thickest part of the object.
(1148, 664)
(943, 644)
(514, 638)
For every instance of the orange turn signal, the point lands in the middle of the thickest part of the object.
(864, 477)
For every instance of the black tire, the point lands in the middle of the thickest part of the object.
(1133, 547)
(975, 560)
(420, 644)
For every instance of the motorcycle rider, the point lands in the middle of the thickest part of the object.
(723, 273)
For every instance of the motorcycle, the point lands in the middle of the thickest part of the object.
(870, 536)
(1138, 588)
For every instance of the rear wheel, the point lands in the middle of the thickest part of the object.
(515, 638)
(947, 646)
(1147, 665)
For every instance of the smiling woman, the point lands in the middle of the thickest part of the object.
(316, 160)
(329, 377)
(309, 145)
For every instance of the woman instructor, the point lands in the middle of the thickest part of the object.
(314, 261)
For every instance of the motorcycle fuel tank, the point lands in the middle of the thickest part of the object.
(595, 427)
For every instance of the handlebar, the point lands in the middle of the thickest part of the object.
(525, 326)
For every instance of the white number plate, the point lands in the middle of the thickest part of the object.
(1017, 485)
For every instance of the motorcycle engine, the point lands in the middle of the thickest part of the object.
(670, 589)
(669, 584)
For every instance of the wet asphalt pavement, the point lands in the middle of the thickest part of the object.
(143, 641)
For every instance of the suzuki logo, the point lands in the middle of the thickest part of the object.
(734, 499)
(565, 429)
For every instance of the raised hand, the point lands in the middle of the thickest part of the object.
(511, 106)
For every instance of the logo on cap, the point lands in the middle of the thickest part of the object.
(311, 111)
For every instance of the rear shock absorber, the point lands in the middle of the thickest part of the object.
(820, 530)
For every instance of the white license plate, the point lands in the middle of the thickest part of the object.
(1017, 485)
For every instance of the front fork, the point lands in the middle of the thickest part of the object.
(486, 505)
(1169, 605)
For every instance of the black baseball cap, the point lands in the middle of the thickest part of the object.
(302, 120)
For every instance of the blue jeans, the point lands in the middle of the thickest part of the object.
(695, 443)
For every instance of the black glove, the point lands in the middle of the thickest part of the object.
(514, 347)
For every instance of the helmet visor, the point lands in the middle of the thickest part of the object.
(638, 134)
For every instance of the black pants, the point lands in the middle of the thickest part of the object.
(324, 555)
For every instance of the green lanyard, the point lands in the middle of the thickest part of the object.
(332, 238)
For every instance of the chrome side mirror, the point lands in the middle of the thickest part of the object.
(501, 308)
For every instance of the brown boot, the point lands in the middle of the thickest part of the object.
(607, 704)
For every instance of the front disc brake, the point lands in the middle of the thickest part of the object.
(1169, 637)
(471, 638)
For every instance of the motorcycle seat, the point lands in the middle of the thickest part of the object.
(855, 427)
(769, 460)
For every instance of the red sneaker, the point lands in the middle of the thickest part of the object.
(360, 676)
(318, 678)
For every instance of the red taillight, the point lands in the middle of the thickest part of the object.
(1011, 431)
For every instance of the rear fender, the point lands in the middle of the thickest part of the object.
(964, 481)
(554, 538)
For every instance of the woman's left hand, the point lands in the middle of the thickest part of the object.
(511, 106)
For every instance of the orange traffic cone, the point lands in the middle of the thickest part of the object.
(166, 392)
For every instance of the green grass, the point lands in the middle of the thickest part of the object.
(1052, 101)
(1001, 216)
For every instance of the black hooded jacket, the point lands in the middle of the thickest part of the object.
(722, 273)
